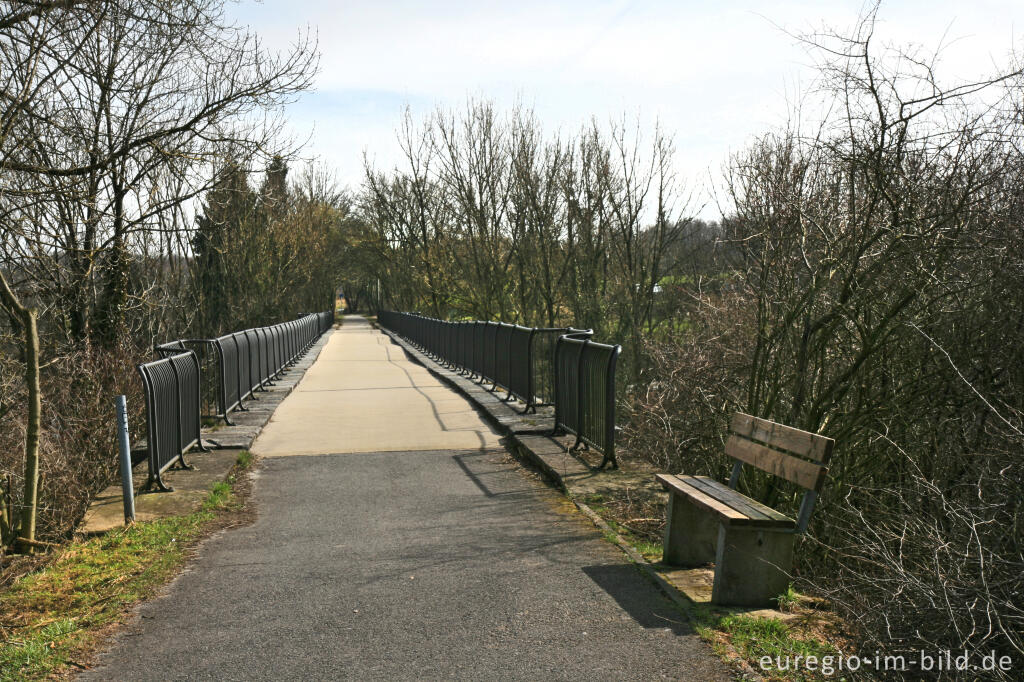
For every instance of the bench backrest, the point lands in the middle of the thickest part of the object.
(800, 457)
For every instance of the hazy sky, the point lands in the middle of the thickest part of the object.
(713, 73)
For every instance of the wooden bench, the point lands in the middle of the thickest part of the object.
(751, 544)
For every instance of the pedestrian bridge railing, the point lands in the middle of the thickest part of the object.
(585, 392)
(212, 377)
(247, 361)
(558, 366)
(171, 389)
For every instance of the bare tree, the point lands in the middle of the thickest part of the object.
(112, 117)
(871, 291)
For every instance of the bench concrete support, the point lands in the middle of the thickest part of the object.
(691, 534)
(751, 566)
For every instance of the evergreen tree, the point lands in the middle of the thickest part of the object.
(223, 226)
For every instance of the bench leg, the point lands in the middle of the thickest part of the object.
(752, 566)
(690, 534)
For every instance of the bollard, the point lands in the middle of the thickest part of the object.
(127, 489)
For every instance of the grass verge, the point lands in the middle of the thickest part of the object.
(244, 460)
(778, 645)
(643, 542)
(54, 618)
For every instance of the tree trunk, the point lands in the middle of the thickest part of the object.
(28, 319)
(28, 509)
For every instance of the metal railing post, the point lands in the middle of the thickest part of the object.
(609, 409)
(127, 487)
(579, 393)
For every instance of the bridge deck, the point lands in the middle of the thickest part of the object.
(364, 395)
(442, 560)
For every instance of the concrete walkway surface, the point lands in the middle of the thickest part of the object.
(364, 395)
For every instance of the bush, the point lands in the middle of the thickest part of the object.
(77, 455)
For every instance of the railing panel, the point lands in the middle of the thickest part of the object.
(244, 365)
(162, 407)
(597, 397)
(488, 359)
(478, 347)
(559, 366)
(231, 395)
(277, 334)
(266, 361)
(566, 383)
(585, 393)
(502, 356)
(187, 371)
(466, 346)
(520, 374)
(255, 380)
(172, 395)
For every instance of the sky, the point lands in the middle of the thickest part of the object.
(714, 75)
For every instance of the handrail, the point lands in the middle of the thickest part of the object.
(562, 366)
(243, 362)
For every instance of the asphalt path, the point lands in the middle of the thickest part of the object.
(412, 566)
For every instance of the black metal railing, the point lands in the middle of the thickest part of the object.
(539, 366)
(171, 389)
(584, 387)
(246, 362)
(212, 377)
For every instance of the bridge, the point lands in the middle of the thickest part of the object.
(395, 538)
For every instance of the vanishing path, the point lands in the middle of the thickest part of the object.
(363, 395)
(435, 559)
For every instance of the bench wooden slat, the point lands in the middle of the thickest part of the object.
(708, 487)
(738, 500)
(727, 514)
(805, 474)
(811, 445)
(678, 484)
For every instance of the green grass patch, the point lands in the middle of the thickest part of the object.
(650, 550)
(53, 615)
(219, 497)
(755, 638)
(244, 460)
(788, 599)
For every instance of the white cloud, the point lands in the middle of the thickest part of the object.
(716, 73)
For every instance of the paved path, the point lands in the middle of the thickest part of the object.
(364, 395)
(420, 564)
